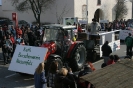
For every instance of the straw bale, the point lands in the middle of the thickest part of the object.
(118, 75)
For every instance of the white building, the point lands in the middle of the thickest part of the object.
(74, 8)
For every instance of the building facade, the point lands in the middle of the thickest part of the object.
(100, 9)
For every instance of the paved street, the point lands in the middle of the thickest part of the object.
(11, 79)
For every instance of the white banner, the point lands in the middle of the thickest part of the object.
(116, 45)
(27, 58)
(70, 20)
(124, 33)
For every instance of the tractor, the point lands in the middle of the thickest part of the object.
(62, 47)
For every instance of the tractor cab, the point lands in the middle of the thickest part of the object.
(61, 44)
(59, 36)
(57, 32)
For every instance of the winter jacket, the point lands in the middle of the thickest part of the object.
(19, 32)
(95, 27)
(9, 43)
(12, 39)
(4, 47)
(13, 31)
(86, 70)
(25, 37)
(129, 41)
(39, 80)
(8, 32)
(106, 50)
(50, 79)
(110, 62)
(62, 81)
(1, 34)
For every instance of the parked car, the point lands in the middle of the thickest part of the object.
(23, 22)
(6, 22)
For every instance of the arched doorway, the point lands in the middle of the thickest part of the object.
(98, 15)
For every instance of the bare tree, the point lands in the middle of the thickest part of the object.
(37, 6)
(120, 9)
(58, 15)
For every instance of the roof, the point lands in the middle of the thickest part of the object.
(118, 75)
(62, 26)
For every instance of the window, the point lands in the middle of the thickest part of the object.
(84, 12)
(98, 2)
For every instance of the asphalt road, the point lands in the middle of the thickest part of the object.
(10, 79)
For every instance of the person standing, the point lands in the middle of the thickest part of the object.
(9, 47)
(13, 32)
(4, 50)
(53, 70)
(106, 51)
(129, 44)
(62, 80)
(1, 36)
(95, 26)
(19, 31)
(39, 76)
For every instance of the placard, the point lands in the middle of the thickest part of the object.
(116, 45)
(124, 33)
(70, 20)
(27, 58)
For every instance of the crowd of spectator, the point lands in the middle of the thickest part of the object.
(10, 37)
(62, 77)
(65, 78)
(117, 24)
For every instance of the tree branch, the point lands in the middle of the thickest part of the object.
(32, 7)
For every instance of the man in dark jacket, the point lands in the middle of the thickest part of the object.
(106, 51)
(129, 44)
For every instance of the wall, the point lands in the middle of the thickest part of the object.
(106, 9)
(1, 14)
(7, 5)
(47, 16)
(78, 8)
(73, 8)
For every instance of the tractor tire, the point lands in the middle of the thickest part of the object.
(49, 61)
(78, 58)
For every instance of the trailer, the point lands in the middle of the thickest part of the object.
(94, 51)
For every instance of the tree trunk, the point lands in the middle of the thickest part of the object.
(38, 20)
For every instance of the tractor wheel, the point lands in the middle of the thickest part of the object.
(49, 61)
(78, 58)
